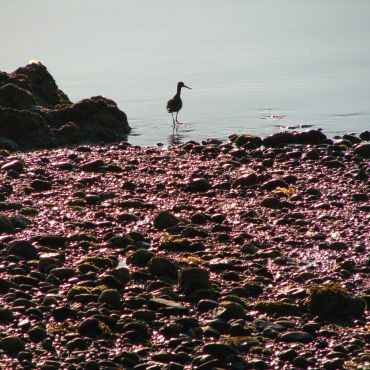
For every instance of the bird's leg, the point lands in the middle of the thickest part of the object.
(176, 117)
(173, 121)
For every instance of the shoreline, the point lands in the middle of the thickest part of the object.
(202, 255)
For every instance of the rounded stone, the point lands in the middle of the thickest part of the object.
(90, 328)
(24, 249)
(194, 278)
(111, 297)
(297, 336)
(163, 267)
(164, 220)
(12, 344)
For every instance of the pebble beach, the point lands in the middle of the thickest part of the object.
(210, 255)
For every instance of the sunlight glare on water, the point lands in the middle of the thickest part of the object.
(253, 65)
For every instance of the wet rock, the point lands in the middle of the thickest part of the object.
(365, 135)
(165, 220)
(77, 344)
(305, 137)
(205, 305)
(12, 344)
(126, 359)
(15, 165)
(246, 180)
(273, 184)
(277, 308)
(363, 150)
(280, 138)
(249, 249)
(92, 365)
(198, 184)
(9, 145)
(312, 154)
(90, 327)
(122, 274)
(63, 313)
(199, 218)
(288, 355)
(26, 128)
(246, 140)
(219, 350)
(331, 301)
(179, 245)
(127, 217)
(193, 279)
(53, 241)
(230, 310)
(111, 297)
(26, 280)
(338, 246)
(36, 114)
(301, 362)
(24, 249)
(5, 285)
(37, 334)
(163, 266)
(310, 137)
(6, 315)
(136, 331)
(6, 225)
(156, 303)
(40, 185)
(147, 315)
(272, 202)
(63, 273)
(96, 165)
(139, 258)
(297, 336)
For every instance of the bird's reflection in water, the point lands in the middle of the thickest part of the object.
(175, 138)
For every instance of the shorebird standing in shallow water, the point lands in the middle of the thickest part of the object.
(175, 103)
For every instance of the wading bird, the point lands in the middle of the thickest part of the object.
(175, 103)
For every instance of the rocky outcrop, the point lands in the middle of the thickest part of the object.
(35, 114)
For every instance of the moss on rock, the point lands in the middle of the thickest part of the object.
(277, 308)
(331, 301)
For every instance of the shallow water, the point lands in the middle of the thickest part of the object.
(254, 66)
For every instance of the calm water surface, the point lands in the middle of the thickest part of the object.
(253, 65)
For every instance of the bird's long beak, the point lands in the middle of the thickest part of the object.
(187, 87)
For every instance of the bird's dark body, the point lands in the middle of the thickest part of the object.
(175, 103)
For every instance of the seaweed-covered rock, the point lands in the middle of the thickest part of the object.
(277, 308)
(331, 301)
(34, 113)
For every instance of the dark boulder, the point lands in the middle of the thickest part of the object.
(280, 138)
(26, 128)
(304, 137)
(35, 114)
(310, 137)
(363, 150)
